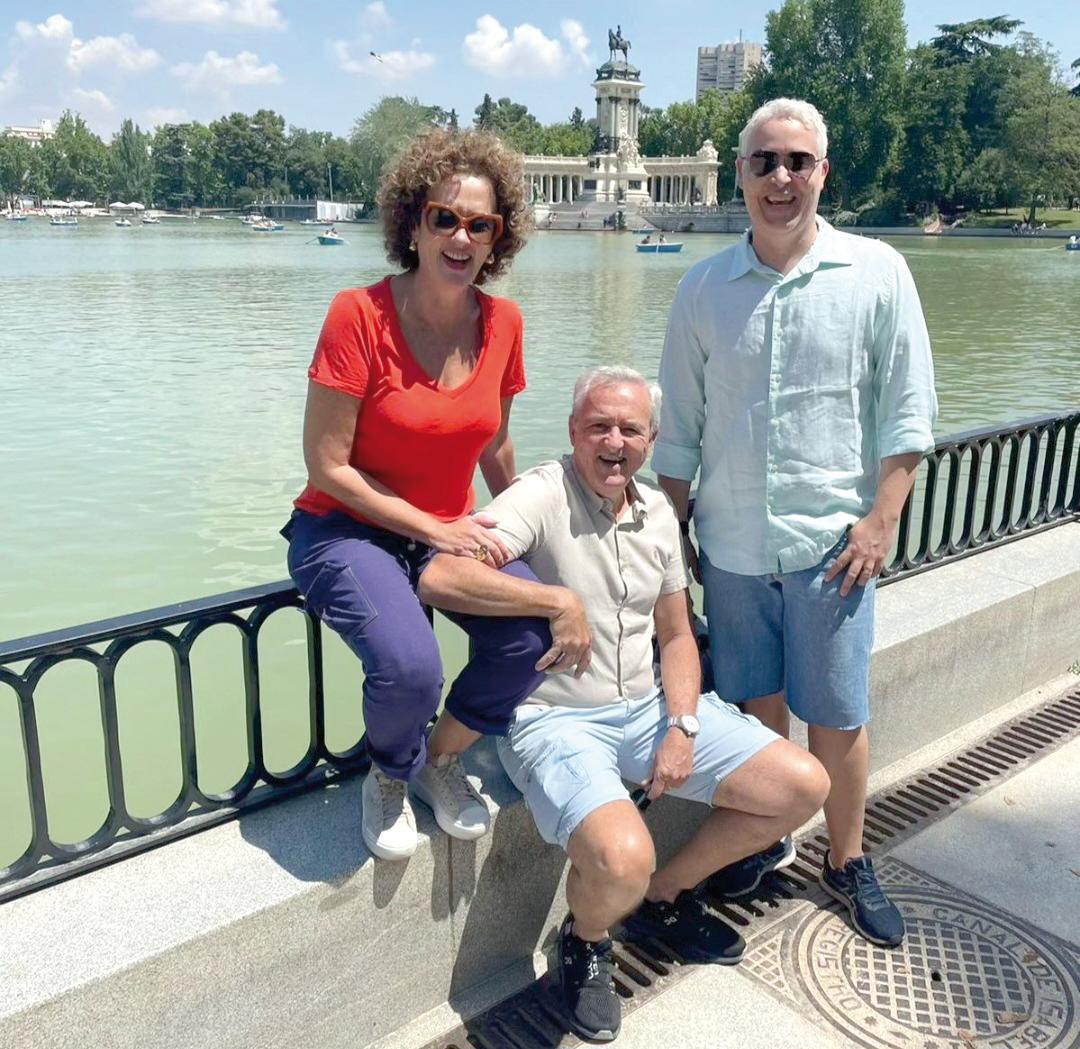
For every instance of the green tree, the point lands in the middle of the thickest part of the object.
(130, 174)
(381, 133)
(203, 180)
(566, 140)
(168, 166)
(964, 41)
(305, 162)
(1043, 129)
(847, 57)
(342, 161)
(482, 116)
(18, 167)
(75, 160)
(250, 151)
(185, 167)
(934, 145)
(512, 122)
(989, 181)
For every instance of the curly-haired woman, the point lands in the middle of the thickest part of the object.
(410, 389)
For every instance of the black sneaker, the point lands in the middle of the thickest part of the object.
(872, 913)
(695, 933)
(744, 876)
(585, 972)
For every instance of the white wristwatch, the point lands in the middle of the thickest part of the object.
(687, 724)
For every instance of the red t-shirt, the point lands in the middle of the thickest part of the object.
(418, 438)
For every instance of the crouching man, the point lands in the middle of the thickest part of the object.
(588, 524)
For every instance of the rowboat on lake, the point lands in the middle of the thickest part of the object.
(267, 226)
(658, 248)
(331, 236)
(63, 220)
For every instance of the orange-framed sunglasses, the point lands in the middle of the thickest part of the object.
(444, 221)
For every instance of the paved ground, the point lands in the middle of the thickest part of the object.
(992, 899)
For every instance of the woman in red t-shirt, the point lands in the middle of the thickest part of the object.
(410, 389)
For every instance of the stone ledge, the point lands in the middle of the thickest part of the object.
(280, 928)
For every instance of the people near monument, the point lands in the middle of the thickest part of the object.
(410, 389)
(589, 522)
(798, 379)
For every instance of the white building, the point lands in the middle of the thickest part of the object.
(616, 172)
(726, 67)
(34, 135)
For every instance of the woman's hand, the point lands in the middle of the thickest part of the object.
(471, 536)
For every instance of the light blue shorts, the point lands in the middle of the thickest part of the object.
(569, 761)
(793, 632)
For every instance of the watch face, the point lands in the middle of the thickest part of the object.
(691, 724)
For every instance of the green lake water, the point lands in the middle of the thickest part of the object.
(151, 399)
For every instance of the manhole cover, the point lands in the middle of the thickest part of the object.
(967, 976)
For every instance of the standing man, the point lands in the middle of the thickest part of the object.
(797, 375)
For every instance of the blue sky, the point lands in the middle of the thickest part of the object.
(168, 60)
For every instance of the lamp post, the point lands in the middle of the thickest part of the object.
(330, 177)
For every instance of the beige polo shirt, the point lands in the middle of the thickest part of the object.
(568, 535)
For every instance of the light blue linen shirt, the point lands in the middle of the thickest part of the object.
(788, 391)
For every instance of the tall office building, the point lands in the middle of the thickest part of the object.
(725, 67)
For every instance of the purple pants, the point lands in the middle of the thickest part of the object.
(361, 581)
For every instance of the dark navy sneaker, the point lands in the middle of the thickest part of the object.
(744, 876)
(585, 975)
(872, 913)
(687, 925)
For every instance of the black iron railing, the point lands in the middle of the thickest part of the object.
(104, 645)
(975, 491)
(987, 487)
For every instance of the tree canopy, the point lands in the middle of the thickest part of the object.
(982, 115)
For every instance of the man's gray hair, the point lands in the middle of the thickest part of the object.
(612, 375)
(786, 109)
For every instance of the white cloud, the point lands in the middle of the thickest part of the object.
(218, 73)
(387, 65)
(376, 17)
(55, 27)
(576, 40)
(159, 115)
(118, 52)
(525, 51)
(94, 99)
(246, 14)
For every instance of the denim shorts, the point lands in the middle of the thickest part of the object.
(568, 761)
(793, 632)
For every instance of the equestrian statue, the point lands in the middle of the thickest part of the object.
(617, 42)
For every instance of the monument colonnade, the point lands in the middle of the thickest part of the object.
(669, 180)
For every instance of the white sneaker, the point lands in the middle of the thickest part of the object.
(457, 804)
(387, 824)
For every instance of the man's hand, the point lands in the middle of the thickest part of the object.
(691, 555)
(869, 543)
(674, 763)
(571, 641)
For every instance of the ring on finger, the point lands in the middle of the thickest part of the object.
(480, 553)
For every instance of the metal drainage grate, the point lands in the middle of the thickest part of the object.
(533, 1017)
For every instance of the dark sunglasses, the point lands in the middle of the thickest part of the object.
(443, 221)
(766, 161)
